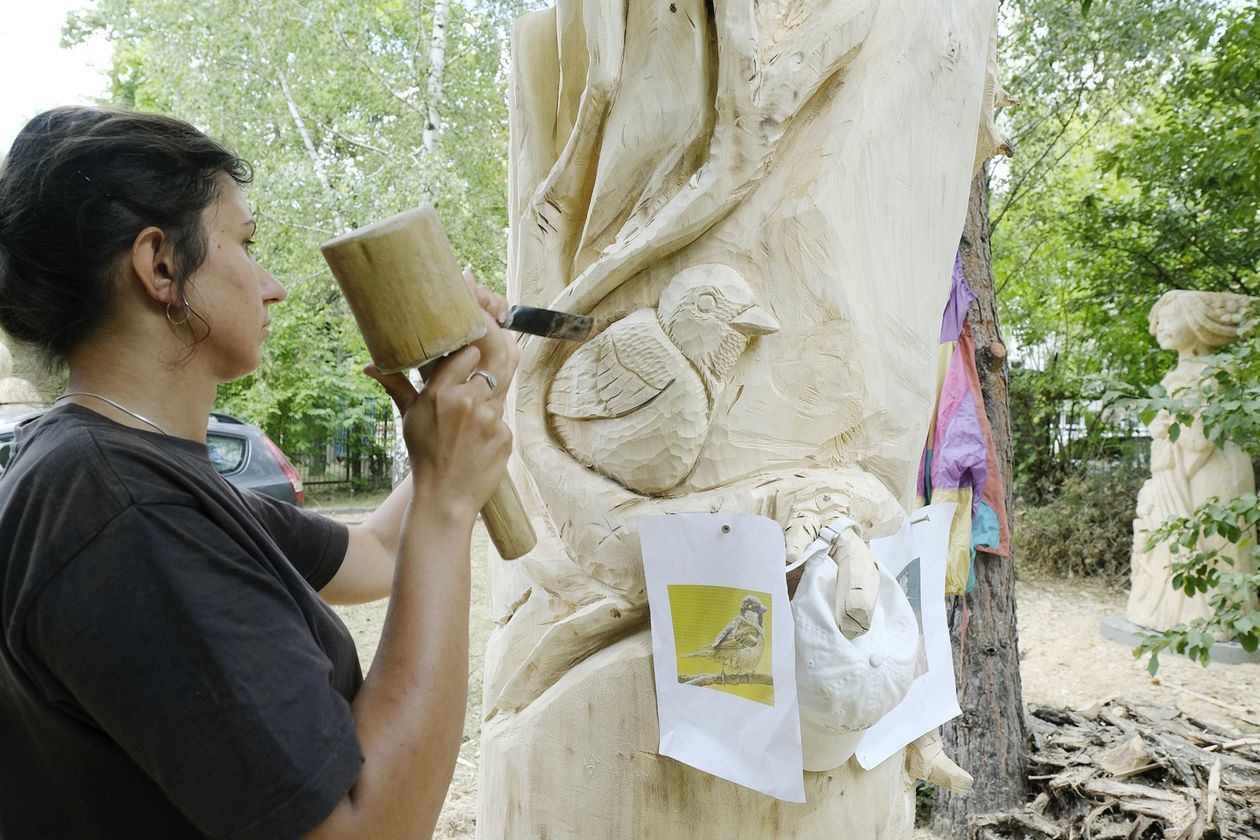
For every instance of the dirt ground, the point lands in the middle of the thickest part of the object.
(1064, 662)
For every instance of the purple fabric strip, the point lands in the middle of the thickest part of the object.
(959, 458)
(960, 300)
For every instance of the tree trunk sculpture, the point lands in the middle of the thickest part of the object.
(760, 204)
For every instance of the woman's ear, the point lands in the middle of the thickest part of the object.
(153, 263)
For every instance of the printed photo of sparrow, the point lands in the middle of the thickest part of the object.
(714, 652)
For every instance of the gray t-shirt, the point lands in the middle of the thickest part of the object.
(166, 666)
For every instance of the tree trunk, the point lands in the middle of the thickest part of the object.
(432, 129)
(437, 69)
(989, 739)
(308, 143)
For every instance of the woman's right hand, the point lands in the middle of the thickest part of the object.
(453, 427)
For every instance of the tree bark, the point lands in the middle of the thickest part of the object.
(437, 70)
(989, 739)
(432, 130)
(308, 143)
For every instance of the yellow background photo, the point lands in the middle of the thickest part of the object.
(700, 614)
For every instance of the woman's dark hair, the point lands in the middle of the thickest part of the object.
(77, 187)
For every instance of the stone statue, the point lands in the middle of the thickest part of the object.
(1187, 472)
(759, 203)
(14, 390)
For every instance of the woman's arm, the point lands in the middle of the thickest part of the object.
(367, 572)
(409, 713)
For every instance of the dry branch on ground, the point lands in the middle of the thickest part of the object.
(1133, 770)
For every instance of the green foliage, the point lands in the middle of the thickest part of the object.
(329, 100)
(1086, 529)
(1198, 569)
(1192, 167)
(1137, 170)
(924, 803)
(1061, 427)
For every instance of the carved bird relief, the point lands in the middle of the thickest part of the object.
(635, 402)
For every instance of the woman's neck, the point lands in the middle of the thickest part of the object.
(137, 388)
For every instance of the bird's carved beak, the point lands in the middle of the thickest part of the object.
(755, 321)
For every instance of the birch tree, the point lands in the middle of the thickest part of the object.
(350, 112)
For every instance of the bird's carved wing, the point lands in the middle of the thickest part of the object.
(615, 373)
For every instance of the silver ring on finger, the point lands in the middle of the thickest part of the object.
(491, 382)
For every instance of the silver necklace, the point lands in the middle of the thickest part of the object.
(116, 405)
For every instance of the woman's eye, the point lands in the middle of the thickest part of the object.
(249, 246)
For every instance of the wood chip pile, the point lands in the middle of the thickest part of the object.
(1133, 770)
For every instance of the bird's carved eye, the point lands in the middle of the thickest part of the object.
(706, 303)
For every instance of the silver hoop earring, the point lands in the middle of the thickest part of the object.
(183, 308)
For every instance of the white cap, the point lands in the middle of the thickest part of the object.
(846, 685)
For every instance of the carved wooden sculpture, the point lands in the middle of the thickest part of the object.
(1185, 472)
(760, 204)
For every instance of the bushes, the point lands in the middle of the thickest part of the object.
(1086, 529)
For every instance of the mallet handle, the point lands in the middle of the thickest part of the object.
(507, 523)
(403, 283)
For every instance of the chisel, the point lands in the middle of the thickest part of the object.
(548, 323)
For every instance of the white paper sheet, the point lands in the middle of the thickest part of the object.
(738, 720)
(917, 551)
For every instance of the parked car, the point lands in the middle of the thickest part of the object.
(10, 416)
(248, 458)
(239, 451)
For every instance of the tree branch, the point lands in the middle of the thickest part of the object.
(308, 143)
(437, 70)
(727, 679)
(360, 143)
(383, 82)
(286, 223)
(1015, 190)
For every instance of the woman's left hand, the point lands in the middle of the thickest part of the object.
(495, 304)
(499, 350)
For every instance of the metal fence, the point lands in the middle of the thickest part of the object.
(357, 457)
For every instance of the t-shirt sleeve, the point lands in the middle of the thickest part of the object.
(202, 666)
(314, 544)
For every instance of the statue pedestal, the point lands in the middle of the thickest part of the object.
(1117, 628)
(580, 762)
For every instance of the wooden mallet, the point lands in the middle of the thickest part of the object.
(413, 306)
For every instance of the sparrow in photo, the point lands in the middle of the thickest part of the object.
(738, 647)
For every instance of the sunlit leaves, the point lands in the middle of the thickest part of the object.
(327, 99)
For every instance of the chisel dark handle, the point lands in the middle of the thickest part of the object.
(548, 323)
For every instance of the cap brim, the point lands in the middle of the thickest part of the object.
(826, 749)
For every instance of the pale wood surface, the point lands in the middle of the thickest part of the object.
(817, 156)
(597, 775)
(406, 290)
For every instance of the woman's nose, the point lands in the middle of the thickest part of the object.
(272, 291)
